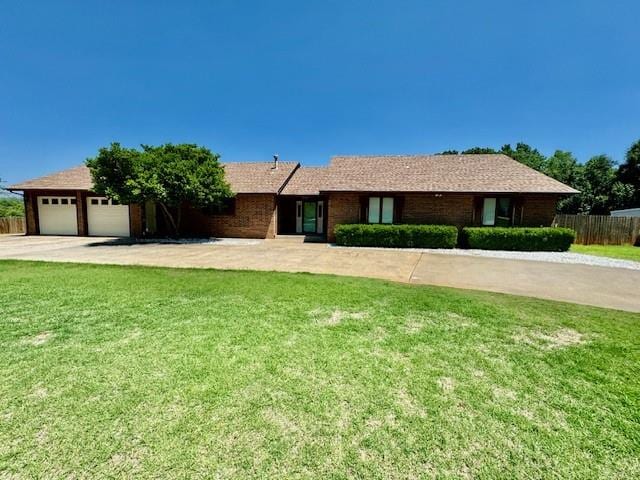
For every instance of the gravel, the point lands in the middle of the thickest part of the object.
(554, 257)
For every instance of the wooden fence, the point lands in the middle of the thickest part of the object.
(601, 229)
(12, 225)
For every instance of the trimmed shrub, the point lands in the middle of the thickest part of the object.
(397, 236)
(545, 239)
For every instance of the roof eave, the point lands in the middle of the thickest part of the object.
(20, 188)
(465, 192)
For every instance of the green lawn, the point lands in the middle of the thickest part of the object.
(147, 372)
(626, 252)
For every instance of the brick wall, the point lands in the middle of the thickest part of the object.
(428, 208)
(538, 210)
(450, 209)
(255, 214)
(254, 217)
(342, 208)
(30, 210)
(533, 210)
(445, 209)
(81, 213)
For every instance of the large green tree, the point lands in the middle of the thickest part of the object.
(525, 154)
(169, 175)
(479, 150)
(599, 175)
(10, 205)
(564, 167)
(621, 196)
(629, 173)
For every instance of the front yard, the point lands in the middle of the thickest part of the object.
(154, 372)
(625, 252)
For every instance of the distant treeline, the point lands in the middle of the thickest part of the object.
(11, 207)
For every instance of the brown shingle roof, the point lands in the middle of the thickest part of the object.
(76, 178)
(258, 177)
(245, 177)
(306, 181)
(392, 173)
(437, 173)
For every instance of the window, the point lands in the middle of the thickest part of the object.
(64, 201)
(374, 210)
(497, 211)
(54, 201)
(503, 212)
(104, 201)
(387, 210)
(73, 201)
(45, 201)
(94, 201)
(489, 211)
(380, 210)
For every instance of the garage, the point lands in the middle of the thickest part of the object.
(57, 215)
(107, 218)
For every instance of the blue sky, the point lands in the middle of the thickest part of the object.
(311, 79)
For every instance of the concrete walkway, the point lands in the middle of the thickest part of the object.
(600, 286)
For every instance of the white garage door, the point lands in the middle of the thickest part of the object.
(107, 218)
(57, 216)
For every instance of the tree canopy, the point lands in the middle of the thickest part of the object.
(11, 207)
(525, 154)
(629, 172)
(169, 175)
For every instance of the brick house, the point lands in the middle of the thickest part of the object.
(274, 198)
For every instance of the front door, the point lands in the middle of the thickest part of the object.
(309, 217)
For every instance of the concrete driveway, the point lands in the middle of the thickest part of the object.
(590, 285)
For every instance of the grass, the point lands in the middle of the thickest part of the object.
(625, 252)
(148, 372)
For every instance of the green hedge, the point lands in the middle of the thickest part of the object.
(398, 236)
(546, 239)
